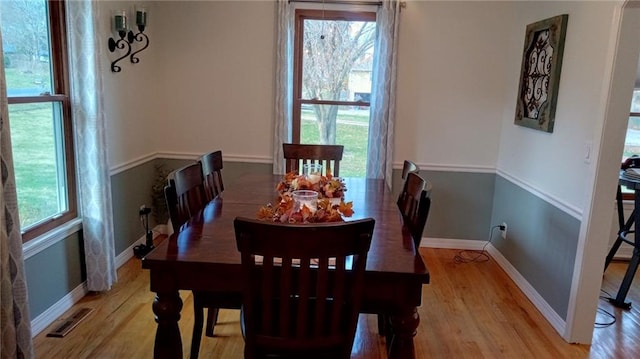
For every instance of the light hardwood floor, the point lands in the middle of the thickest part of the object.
(469, 310)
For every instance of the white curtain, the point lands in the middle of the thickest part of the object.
(94, 183)
(284, 82)
(15, 323)
(383, 92)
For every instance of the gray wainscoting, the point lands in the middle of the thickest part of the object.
(129, 190)
(461, 204)
(461, 209)
(541, 241)
(54, 273)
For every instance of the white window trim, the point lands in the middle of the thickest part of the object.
(337, 7)
(50, 238)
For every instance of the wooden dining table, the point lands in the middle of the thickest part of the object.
(203, 256)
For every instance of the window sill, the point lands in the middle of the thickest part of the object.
(50, 238)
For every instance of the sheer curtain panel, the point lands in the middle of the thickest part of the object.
(94, 183)
(383, 97)
(284, 82)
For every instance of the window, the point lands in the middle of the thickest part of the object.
(35, 61)
(333, 63)
(632, 141)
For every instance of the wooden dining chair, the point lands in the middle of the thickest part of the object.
(212, 172)
(186, 196)
(303, 285)
(329, 156)
(414, 203)
(409, 167)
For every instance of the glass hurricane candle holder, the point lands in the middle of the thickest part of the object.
(305, 198)
(120, 21)
(313, 172)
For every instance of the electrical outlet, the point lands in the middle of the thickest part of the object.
(503, 232)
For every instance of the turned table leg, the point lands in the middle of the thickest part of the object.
(403, 326)
(167, 308)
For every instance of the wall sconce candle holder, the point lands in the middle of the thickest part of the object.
(126, 38)
(140, 37)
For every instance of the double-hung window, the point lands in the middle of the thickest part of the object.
(36, 72)
(333, 70)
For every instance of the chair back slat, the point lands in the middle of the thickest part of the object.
(285, 292)
(308, 283)
(302, 301)
(322, 292)
(267, 289)
(212, 165)
(297, 155)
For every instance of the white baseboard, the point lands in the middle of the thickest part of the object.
(42, 321)
(448, 243)
(545, 309)
(54, 312)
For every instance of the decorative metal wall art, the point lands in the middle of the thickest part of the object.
(540, 73)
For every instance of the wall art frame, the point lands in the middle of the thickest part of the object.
(540, 73)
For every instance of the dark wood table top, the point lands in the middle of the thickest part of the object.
(204, 257)
(210, 237)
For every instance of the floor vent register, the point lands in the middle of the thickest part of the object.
(69, 323)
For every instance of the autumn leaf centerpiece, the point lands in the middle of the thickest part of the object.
(327, 186)
(330, 203)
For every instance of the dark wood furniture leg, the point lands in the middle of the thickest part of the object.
(403, 326)
(212, 319)
(167, 307)
(198, 321)
(635, 259)
(624, 228)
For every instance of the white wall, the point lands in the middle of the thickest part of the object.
(451, 79)
(132, 101)
(208, 76)
(205, 82)
(216, 77)
(553, 163)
